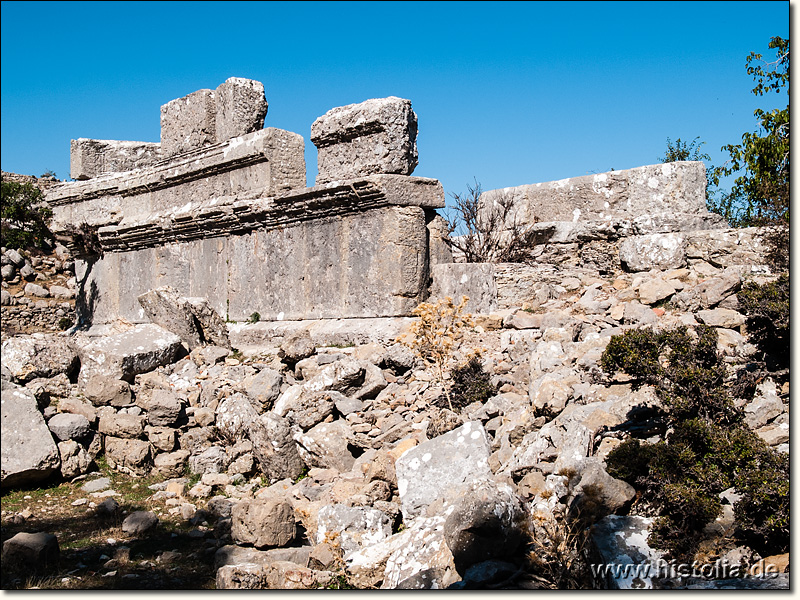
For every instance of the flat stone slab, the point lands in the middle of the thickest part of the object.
(269, 160)
(251, 337)
(125, 355)
(678, 187)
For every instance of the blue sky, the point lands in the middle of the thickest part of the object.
(506, 93)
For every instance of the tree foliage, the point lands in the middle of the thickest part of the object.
(23, 216)
(761, 161)
(680, 150)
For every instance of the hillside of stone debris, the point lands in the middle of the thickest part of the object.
(294, 466)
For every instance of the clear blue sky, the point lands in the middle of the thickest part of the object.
(508, 93)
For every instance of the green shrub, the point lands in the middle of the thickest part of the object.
(23, 216)
(767, 310)
(469, 383)
(762, 513)
(686, 370)
(708, 449)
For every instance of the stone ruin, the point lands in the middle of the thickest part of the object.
(219, 210)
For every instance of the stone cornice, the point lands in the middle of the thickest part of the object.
(242, 213)
(233, 154)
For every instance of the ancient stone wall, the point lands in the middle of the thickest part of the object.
(221, 211)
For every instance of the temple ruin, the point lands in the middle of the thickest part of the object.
(219, 210)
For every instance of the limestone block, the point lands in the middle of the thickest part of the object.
(213, 459)
(622, 540)
(352, 527)
(128, 456)
(234, 415)
(102, 390)
(668, 188)
(376, 136)
(171, 464)
(125, 355)
(265, 387)
(29, 453)
(67, 426)
(242, 576)
(188, 123)
(164, 408)
(263, 523)
(29, 553)
(139, 522)
(240, 107)
(90, 158)
(363, 264)
(326, 446)
(121, 425)
(657, 251)
(476, 281)
(274, 448)
(765, 406)
(721, 317)
(442, 466)
(484, 524)
(74, 459)
(38, 355)
(654, 290)
(268, 160)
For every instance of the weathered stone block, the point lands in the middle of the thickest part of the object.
(125, 355)
(188, 123)
(128, 456)
(90, 158)
(29, 553)
(269, 161)
(476, 281)
(657, 251)
(240, 107)
(29, 453)
(678, 187)
(376, 136)
(442, 466)
(38, 355)
(263, 523)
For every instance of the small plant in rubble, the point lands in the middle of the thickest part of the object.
(487, 230)
(436, 334)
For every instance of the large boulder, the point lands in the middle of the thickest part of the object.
(442, 466)
(484, 524)
(263, 523)
(30, 553)
(38, 355)
(352, 527)
(274, 448)
(29, 453)
(125, 355)
(192, 319)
